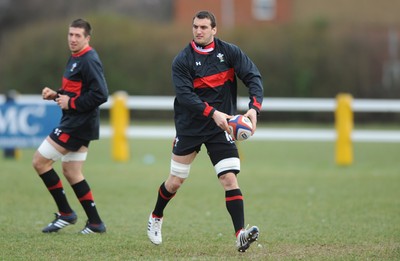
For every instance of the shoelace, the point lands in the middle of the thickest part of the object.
(157, 223)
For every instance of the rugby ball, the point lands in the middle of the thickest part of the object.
(240, 127)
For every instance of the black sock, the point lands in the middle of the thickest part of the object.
(85, 197)
(55, 187)
(234, 204)
(162, 200)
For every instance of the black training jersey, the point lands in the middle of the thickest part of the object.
(205, 81)
(84, 82)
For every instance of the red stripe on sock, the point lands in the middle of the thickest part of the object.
(65, 214)
(154, 216)
(87, 196)
(165, 197)
(56, 186)
(239, 197)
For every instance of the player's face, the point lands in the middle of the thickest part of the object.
(77, 40)
(203, 33)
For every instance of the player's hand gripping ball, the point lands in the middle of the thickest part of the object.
(240, 127)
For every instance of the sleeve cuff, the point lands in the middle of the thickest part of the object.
(208, 111)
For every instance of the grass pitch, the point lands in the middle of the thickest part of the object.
(307, 208)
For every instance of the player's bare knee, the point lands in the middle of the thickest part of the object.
(40, 164)
(173, 187)
(229, 181)
(66, 171)
(37, 166)
(173, 183)
(35, 162)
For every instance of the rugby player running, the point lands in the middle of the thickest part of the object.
(205, 76)
(83, 90)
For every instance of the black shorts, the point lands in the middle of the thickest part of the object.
(67, 141)
(219, 146)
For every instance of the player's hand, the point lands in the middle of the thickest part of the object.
(48, 94)
(221, 119)
(62, 101)
(252, 115)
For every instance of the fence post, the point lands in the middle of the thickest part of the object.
(119, 117)
(11, 153)
(344, 127)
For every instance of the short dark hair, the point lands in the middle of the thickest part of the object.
(80, 23)
(208, 15)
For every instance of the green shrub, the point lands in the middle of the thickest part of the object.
(296, 60)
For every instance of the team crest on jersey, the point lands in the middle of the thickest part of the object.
(221, 57)
(57, 131)
(176, 141)
(73, 66)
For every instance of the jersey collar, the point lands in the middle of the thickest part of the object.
(87, 49)
(203, 50)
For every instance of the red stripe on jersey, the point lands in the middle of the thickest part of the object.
(56, 186)
(71, 86)
(256, 103)
(215, 80)
(207, 110)
(239, 197)
(87, 196)
(74, 87)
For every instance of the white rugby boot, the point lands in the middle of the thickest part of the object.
(154, 229)
(246, 237)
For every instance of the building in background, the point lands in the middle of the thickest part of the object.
(230, 13)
